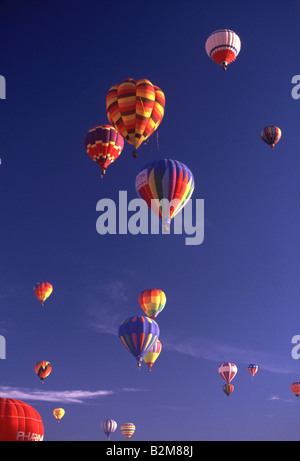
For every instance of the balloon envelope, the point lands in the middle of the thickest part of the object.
(127, 430)
(271, 135)
(19, 422)
(43, 369)
(152, 302)
(228, 389)
(253, 369)
(295, 388)
(59, 413)
(104, 145)
(108, 426)
(223, 46)
(135, 109)
(228, 371)
(138, 334)
(166, 186)
(42, 291)
(153, 354)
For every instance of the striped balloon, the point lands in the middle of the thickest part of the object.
(135, 109)
(152, 302)
(223, 46)
(43, 369)
(166, 186)
(228, 371)
(127, 430)
(108, 426)
(153, 354)
(271, 135)
(104, 145)
(138, 334)
(253, 369)
(42, 291)
(19, 422)
(228, 389)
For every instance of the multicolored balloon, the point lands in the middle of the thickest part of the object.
(295, 388)
(104, 145)
(19, 422)
(138, 334)
(42, 291)
(108, 426)
(127, 430)
(152, 302)
(271, 135)
(165, 179)
(59, 413)
(228, 371)
(223, 46)
(43, 369)
(228, 389)
(153, 354)
(135, 109)
(253, 369)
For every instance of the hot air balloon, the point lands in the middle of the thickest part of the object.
(152, 302)
(271, 135)
(127, 430)
(108, 427)
(138, 334)
(135, 109)
(166, 186)
(253, 369)
(104, 145)
(43, 290)
(295, 388)
(59, 413)
(19, 422)
(228, 371)
(223, 46)
(153, 354)
(43, 369)
(228, 389)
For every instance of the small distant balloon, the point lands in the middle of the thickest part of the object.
(42, 291)
(104, 145)
(295, 388)
(228, 389)
(127, 430)
(253, 369)
(271, 135)
(223, 46)
(43, 369)
(59, 413)
(109, 426)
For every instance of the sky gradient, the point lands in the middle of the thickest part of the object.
(233, 298)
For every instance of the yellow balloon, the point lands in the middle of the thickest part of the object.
(59, 413)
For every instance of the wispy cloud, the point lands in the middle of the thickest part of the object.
(207, 349)
(67, 396)
(107, 306)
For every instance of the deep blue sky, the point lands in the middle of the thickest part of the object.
(233, 298)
